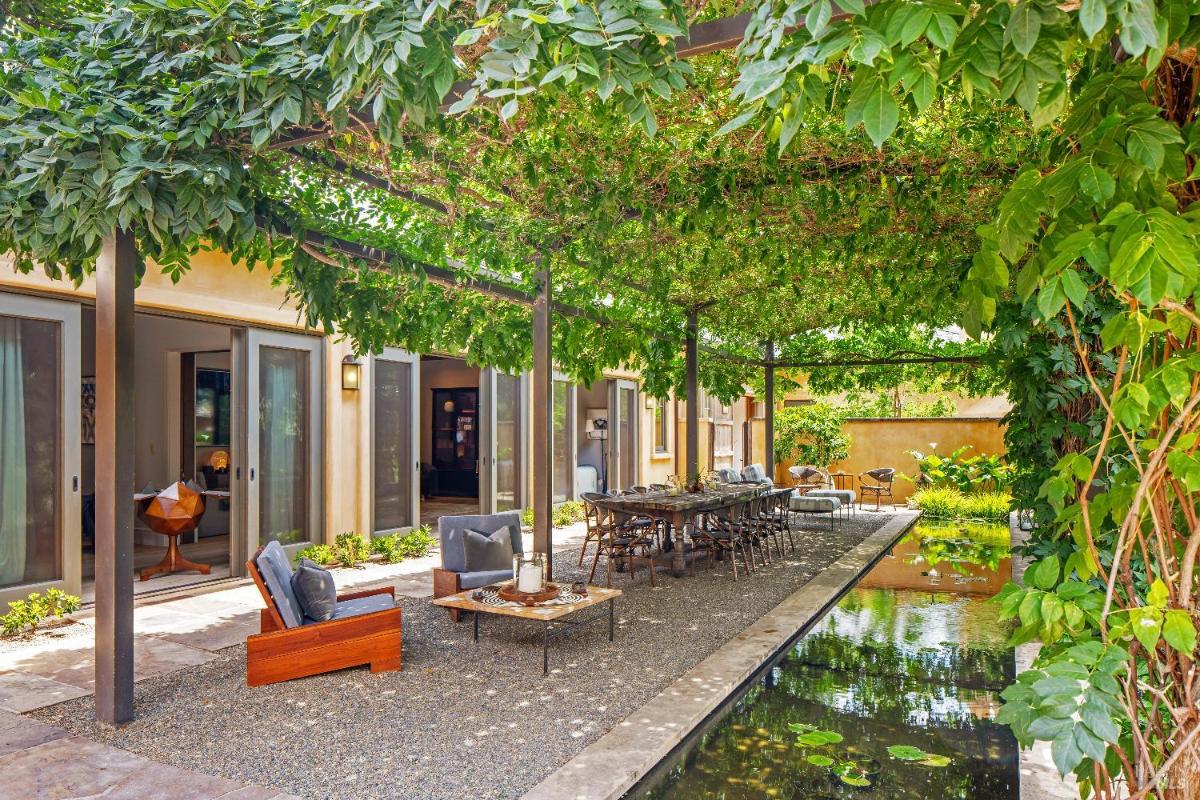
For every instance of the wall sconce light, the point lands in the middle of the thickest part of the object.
(651, 402)
(351, 373)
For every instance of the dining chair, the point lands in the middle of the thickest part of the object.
(622, 541)
(881, 481)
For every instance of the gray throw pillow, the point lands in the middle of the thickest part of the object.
(315, 590)
(488, 551)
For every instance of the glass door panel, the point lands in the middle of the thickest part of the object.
(626, 429)
(509, 462)
(563, 445)
(40, 420)
(284, 448)
(395, 467)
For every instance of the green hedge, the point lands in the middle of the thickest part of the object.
(948, 503)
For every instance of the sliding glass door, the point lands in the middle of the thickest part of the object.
(563, 417)
(283, 477)
(40, 423)
(395, 466)
(502, 440)
(623, 434)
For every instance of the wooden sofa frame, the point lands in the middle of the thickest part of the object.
(446, 583)
(280, 653)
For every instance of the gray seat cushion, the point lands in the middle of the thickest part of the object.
(487, 551)
(756, 473)
(813, 505)
(276, 572)
(845, 496)
(315, 590)
(451, 529)
(473, 580)
(360, 605)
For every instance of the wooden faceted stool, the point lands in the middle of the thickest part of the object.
(173, 512)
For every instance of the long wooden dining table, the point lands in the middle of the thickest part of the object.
(680, 510)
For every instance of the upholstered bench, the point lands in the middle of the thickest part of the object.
(844, 496)
(808, 504)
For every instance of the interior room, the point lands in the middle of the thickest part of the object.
(449, 438)
(183, 413)
(592, 439)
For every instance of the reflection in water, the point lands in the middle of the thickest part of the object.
(912, 656)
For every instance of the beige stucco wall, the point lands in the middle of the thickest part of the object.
(884, 442)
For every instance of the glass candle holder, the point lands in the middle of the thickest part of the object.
(529, 572)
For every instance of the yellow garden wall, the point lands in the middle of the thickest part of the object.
(883, 442)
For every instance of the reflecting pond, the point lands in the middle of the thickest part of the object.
(892, 695)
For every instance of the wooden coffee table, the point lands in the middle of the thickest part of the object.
(555, 619)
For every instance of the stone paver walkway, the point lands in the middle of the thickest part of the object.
(41, 762)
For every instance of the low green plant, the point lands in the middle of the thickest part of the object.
(951, 503)
(987, 505)
(317, 553)
(565, 514)
(351, 549)
(980, 473)
(36, 608)
(396, 547)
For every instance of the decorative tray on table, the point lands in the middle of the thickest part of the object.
(508, 592)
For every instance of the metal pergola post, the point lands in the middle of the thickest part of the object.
(115, 275)
(543, 424)
(693, 397)
(769, 427)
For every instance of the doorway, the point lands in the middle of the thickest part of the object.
(450, 438)
(184, 415)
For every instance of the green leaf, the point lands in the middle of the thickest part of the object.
(1024, 25)
(737, 122)
(906, 752)
(1158, 595)
(1074, 287)
(1092, 16)
(881, 114)
(818, 760)
(1146, 623)
(1097, 183)
(1180, 632)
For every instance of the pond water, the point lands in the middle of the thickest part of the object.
(911, 659)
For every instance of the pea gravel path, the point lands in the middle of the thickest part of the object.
(460, 721)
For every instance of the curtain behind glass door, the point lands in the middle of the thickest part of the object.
(30, 448)
(284, 445)
(508, 464)
(393, 445)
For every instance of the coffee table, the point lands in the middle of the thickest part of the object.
(556, 619)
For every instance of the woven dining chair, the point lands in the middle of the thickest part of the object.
(880, 485)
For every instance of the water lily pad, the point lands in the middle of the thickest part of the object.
(936, 761)
(854, 780)
(819, 760)
(906, 752)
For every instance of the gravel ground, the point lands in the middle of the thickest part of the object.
(460, 721)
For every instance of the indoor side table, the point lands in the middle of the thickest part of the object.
(556, 618)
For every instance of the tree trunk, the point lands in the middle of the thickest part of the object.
(1183, 779)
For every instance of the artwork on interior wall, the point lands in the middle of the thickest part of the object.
(87, 404)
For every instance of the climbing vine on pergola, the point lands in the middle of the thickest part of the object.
(846, 182)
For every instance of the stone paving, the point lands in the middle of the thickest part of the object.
(42, 762)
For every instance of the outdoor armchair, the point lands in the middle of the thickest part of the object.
(365, 628)
(454, 576)
(807, 477)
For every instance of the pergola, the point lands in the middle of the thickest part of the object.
(303, 148)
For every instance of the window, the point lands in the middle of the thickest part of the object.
(723, 438)
(661, 422)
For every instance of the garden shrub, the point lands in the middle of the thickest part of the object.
(950, 503)
(351, 548)
(396, 547)
(317, 553)
(565, 514)
(979, 473)
(811, 435)
(34, 609)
